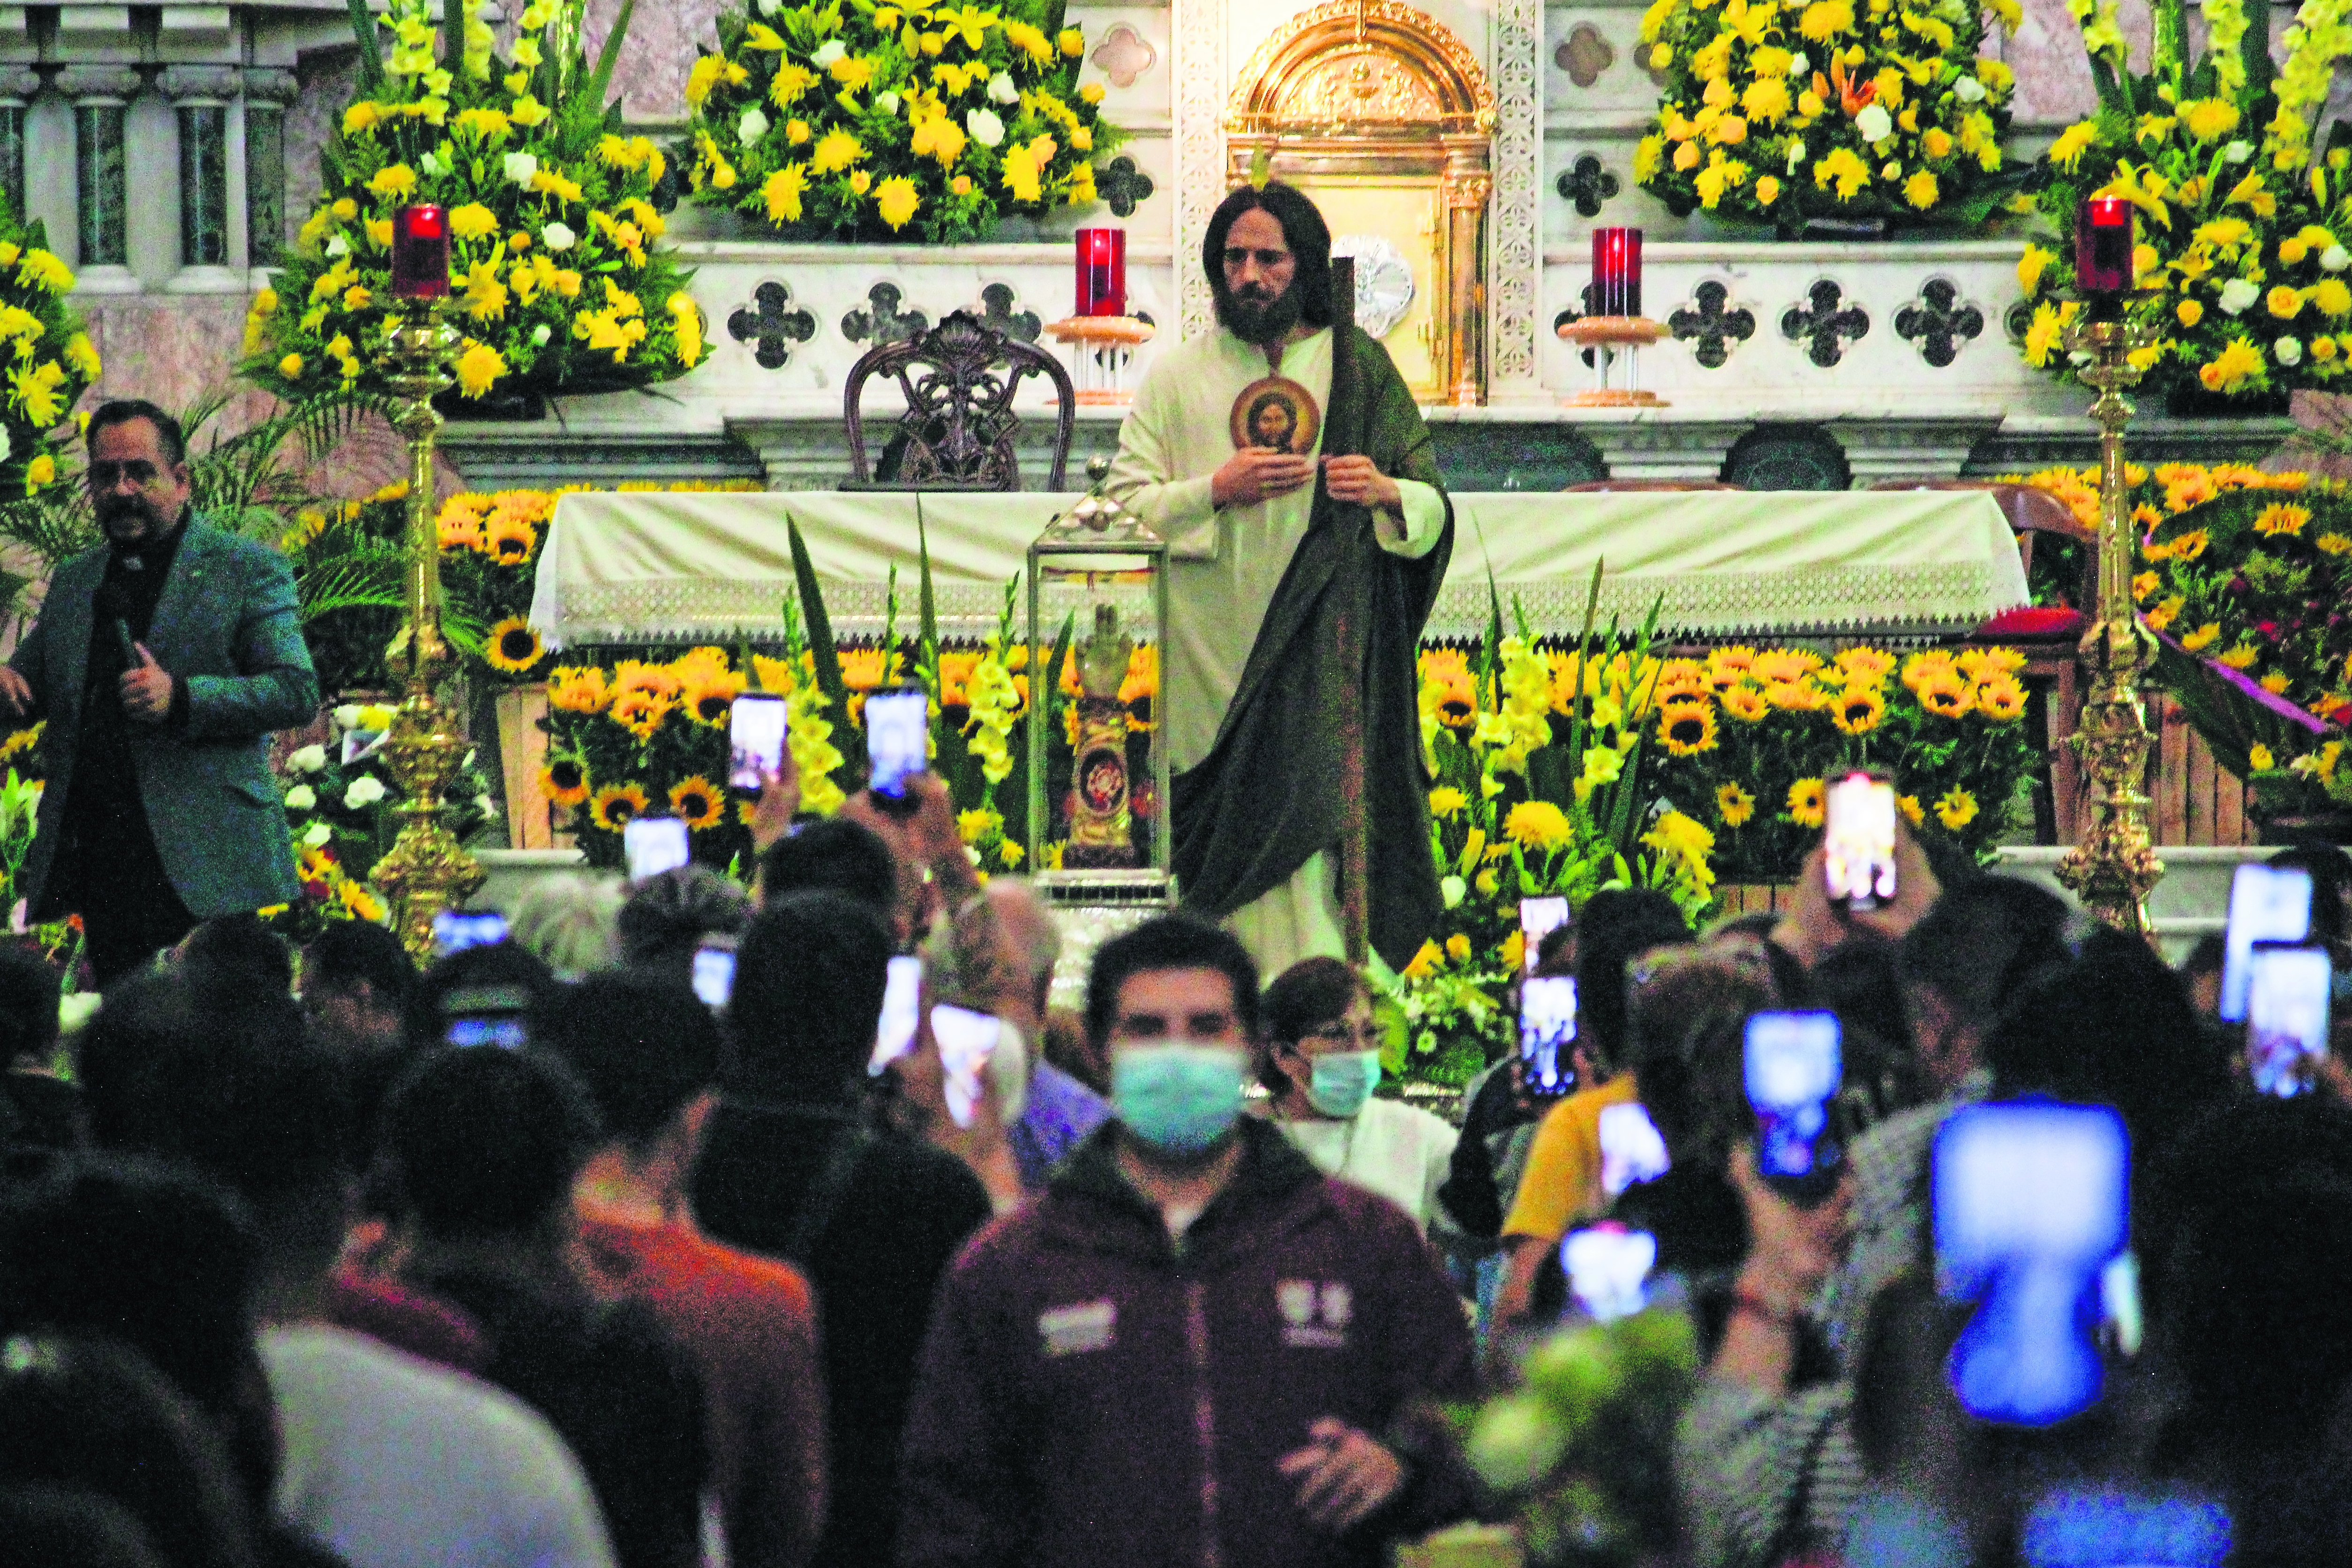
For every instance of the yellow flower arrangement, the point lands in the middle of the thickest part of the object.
(53, 360)
(1778, 111)
(542, 194)
(890, 120)
(1539, 825)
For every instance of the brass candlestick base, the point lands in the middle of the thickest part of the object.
(2112, 865)
(426, 871)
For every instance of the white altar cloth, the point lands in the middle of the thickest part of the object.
(641, 566)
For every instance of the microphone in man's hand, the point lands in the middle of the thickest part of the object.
(125, 645)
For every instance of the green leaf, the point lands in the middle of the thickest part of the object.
(453, 35)
(820, 628)
(371, 56)
(600, 79)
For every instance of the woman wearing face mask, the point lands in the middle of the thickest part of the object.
(1320, 1062)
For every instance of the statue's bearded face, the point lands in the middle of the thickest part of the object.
(1254, 299)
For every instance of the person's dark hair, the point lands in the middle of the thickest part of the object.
(2112, 1028)
(2206, 955)
(95, 1420)
(1171, 942)
(1981, 941)
(1308, 995)
(467, 981)
(481, 1142)
(834, 855)
(1611, 929)
(1685, 1034)
(29, 1006)
(70, 1527)
(1949, 860)
(141, 1251)
(643, 1045)
(1860, 982)
(123, 410)
(2331, 881)
(239, 950)
(668, 916)
(349, 952)
(809, 979)
(1548, 948)
(1302, 226)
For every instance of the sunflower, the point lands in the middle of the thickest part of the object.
(573, 689)
(2191, 545)
(1746, 703)
(1734, 805)
(1957, 809)
(2282, 519)
(1945, 696)
(708, 698)
(1921, 668)
(864, 669)
(1976, 663)
(1857, 712)
(1909, 806)
(2000, 697)
(699, 802)
(613, 806)
(1447, 692)
(509, 541)
(1872, 664)
(1793, 696)
(564, 782)
(1806, 798)
(700, 664)
(640, 713)
(636, 675)
(1539, 825)
(1681, 675)
(513, 646)
(1789, 665)
(1686, 728)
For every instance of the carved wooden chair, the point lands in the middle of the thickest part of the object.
(2045, 634)
(957, 433)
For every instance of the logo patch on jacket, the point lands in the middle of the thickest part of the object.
(1315, 1316)
(1066, 1330)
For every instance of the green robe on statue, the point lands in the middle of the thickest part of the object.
(1266, 797)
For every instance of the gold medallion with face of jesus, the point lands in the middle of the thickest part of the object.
(1277, 413)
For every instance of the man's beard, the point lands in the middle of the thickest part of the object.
(1256, 317)
(130, 519)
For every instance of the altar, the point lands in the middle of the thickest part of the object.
(712, 567)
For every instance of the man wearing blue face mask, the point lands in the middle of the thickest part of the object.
(1193, 1347)
(1322, 1063)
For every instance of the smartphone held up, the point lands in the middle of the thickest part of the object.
(1547, 1031)
(897, 744)
(1858, 841)
(1793, 1067)
(755, 741)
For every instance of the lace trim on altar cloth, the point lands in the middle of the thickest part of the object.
(1913, 600)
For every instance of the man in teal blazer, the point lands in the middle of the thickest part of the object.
(161, 661)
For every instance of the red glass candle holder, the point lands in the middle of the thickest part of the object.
(2103, 245)
(1617, 272)
(1102, 272)
(420, 253)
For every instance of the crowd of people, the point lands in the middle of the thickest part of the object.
(290, 1275)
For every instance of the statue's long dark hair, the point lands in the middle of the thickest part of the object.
(1302, 226)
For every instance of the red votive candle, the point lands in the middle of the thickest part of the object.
(1617, 272)
(420, 253)
(2103, 245)
(1102, 272)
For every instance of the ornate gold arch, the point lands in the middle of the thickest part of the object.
(1363, 92)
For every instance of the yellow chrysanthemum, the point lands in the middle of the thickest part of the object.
(1539, 825)
(1446, 801)
(2242, 657)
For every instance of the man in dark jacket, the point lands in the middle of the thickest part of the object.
(1194, 1348)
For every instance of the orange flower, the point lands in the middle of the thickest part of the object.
(614, 804)
(697, 802)
(2000, 697)
(1746, 703)
(640, 713)
(573, 689)
(564, 782)
(1858, 711)
(707, 699)
(1866, 664)
(1945, 696)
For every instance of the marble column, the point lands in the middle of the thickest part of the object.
(267, 94)
(100, 95)
(200, 98)
(17, 90)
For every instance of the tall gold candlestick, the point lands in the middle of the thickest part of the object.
(2112, 865)
(426, 871)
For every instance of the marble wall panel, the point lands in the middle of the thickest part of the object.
(664, 38)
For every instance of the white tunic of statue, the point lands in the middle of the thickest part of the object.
(1225, 566)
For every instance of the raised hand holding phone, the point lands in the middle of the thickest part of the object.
(1547, 1031)
(1793, 1067)
(755, 742)
(2267, 904)
(2286, 1017)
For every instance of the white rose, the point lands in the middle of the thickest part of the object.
(767, 7)
(1001, 87)
(1796, 153)
(316, 835)
(338, 245)
(6, 445)
(1968, 90)
(827, 52)
(888, 102)
(2334, 258)
(365, 792)
(1455, 890)
(984, 127)
(1875, 123)
(752, 127)
(432, 163)
(519, 167)
(302, 797)
(348, 716)
(486, 805)
(309, 759)
(2288, 351)
(2237, 151)
(2238, 296)
(558, 236)
(539, 336)
(1799, 66)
